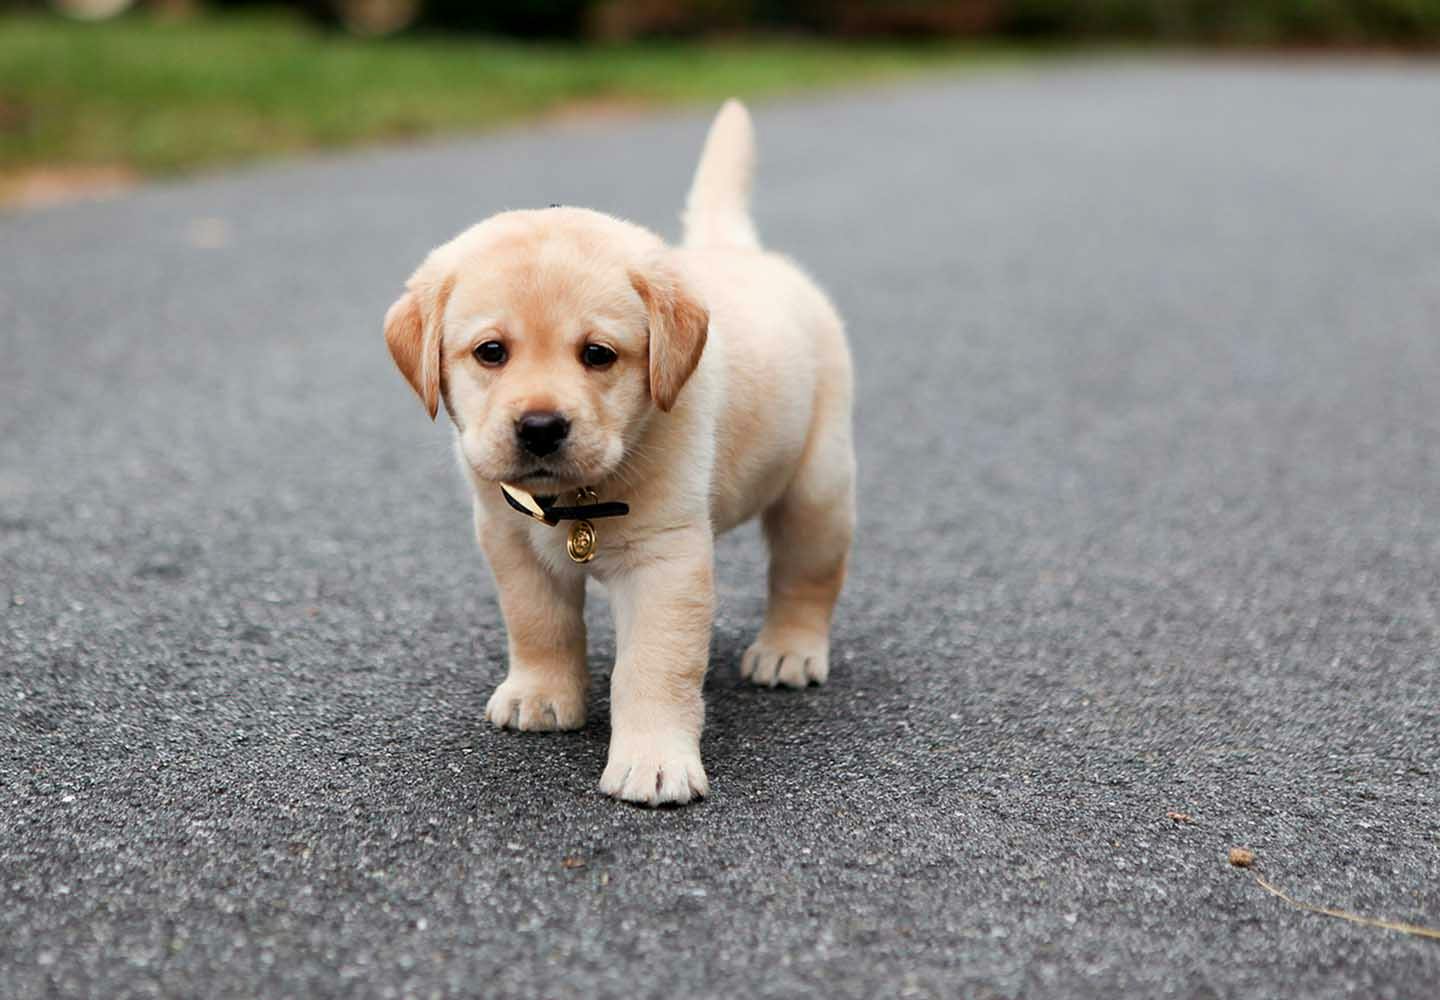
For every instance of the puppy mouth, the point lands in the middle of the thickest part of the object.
(546, 477)
(536, 474)
(556, 475)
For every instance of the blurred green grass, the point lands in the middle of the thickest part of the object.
(162, 97)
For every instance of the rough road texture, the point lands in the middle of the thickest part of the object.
(1149, 370)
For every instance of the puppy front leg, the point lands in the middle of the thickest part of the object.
(545, 625)
(664, 610)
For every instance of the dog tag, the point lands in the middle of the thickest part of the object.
(582, 542)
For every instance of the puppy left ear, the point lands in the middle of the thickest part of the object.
(412, 332)
(679, 325)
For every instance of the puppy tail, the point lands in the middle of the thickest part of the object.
(717, 213)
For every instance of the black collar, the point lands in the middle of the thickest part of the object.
(545, 510)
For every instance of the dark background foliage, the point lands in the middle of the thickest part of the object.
(1224, 21)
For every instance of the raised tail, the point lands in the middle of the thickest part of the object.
(717, 212)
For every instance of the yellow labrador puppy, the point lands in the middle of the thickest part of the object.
(617, 402)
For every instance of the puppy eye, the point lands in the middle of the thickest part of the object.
(597, 356)
(491, 354)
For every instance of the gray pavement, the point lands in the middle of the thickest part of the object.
(1149, 364)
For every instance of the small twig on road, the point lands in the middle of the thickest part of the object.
(1354, 918)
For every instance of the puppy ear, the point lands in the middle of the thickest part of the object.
(678, 327)
(412, 332)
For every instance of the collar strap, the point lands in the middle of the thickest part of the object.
(544, 509)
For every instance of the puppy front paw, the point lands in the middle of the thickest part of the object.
(524, 703)
(654, 771)
(793, 660)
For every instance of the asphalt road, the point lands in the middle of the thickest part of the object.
(1149, 363)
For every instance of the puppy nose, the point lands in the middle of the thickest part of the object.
(541, 431)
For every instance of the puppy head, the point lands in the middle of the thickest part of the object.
(551, 337)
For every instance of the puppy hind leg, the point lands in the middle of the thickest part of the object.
(809, 532)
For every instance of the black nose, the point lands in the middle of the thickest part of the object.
(541, 431)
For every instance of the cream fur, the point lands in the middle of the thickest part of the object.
(730, 399)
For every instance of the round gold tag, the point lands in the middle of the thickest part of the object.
(582, 542)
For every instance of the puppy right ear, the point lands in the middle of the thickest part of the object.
(412, 332)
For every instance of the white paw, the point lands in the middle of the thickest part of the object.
(654, 771)
(793, 660)
(533, 705)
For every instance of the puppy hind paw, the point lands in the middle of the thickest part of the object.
(793, 664)
(535, 708)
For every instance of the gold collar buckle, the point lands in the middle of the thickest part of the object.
(525, 503)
